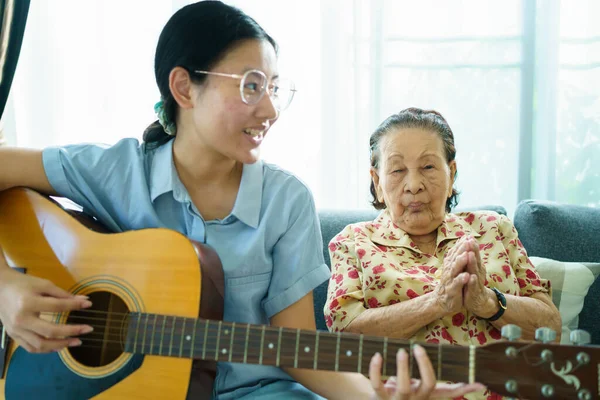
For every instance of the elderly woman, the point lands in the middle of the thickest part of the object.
(420, 272)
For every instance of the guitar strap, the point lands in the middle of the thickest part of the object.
(5, 342)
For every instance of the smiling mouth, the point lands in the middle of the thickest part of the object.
(254, 132)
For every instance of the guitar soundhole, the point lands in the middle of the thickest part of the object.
(108, 316)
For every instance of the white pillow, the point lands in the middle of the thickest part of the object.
(570, 282)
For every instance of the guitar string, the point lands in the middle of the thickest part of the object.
(107, 332)
(116, 332)
(344, 364)
(328, 352)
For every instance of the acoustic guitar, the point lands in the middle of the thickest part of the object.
(158, 329)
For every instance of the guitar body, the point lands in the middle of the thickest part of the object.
(149, 271)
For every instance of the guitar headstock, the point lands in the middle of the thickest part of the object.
(541, 369)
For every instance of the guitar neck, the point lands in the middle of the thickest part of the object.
(162, 335)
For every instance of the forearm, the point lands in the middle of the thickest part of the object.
(401, 320)
(334, 385)
(529, 313)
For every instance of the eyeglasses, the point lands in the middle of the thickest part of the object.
(254, 84)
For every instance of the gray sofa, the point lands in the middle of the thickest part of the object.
(546, 229)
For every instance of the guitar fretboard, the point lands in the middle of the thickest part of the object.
(162, 335)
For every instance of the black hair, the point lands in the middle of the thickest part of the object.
(196, 37)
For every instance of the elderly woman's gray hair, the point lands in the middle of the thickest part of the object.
(413, 118)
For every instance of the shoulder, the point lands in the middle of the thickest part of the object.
(484, 221)
(124, 150)
(481, 218)
(351, 233)
(279, 182)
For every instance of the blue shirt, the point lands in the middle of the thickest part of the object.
(270, 245)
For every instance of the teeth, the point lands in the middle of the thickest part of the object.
(253, 132)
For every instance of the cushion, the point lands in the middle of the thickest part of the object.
(588, 318)
(559, 231)
(570, 282)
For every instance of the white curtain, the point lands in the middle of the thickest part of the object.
(518, 81)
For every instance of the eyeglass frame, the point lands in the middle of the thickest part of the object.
(242, 79)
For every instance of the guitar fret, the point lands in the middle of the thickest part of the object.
(162, 334)
(471, 364)
(231, 340)
(192, 348)
(411, 359)
(360, 348)
(130, 338)
(172, 334)
(385, 344)
(153, 333)
(145, 334)
(137, 331)
(277, 363)
(337, 353)
(297, 343)
(152, 339)
(262, 342)
(316, 350)
(181, 338)
(205, 340)
(218, 341)
(439, 368)
(246, 344)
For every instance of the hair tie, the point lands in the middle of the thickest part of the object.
(169, 127)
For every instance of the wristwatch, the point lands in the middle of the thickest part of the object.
(501, 302)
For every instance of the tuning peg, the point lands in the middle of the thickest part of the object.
(579, 337)
(511, 332)
(545, 335)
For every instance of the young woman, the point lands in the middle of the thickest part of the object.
(198, 172)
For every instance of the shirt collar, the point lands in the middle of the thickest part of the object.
(249, 199)
(386, 233)
(164, 179)
(162, 171)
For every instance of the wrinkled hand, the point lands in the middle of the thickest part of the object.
(449, 292)
(402, 387)
(478, 299)
(23, 298)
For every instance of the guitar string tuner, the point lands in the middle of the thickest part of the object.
(579, 337)
(511, 332)
(545, 335)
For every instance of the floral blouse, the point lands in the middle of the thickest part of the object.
(375, 264)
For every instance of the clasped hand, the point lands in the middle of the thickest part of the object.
(462, 283)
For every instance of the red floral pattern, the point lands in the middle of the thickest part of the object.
(375, 264)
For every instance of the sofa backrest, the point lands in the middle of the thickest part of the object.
(565, 233)
(332, 223)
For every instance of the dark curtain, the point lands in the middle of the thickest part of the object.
(13, 16)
